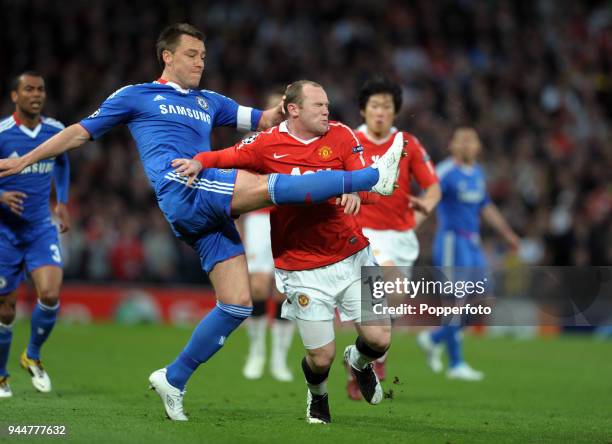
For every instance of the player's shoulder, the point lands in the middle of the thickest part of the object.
(339, 129)
(129, 90)
(261, 136)
(214, 96)
(444, 168)
(54, 123)
(7, 123)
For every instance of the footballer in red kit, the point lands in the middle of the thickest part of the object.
(389, 224)
(318, 249)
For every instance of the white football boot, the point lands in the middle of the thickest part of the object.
(464, 372)
(40, 378)
(5, 388)
(388, 167)
(433, 351)
(172, 398)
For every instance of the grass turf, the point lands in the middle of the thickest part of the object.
(543, 390)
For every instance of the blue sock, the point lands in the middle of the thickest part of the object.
(43, 320)
(206, 340)
(287, 189)
(454, 346)
(6, 337)
(439, 334)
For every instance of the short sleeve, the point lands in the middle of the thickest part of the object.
(118, 108)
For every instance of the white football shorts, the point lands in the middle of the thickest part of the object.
(314, 295)
(257, 245)
(400, 247)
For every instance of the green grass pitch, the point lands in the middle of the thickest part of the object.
(547, 390)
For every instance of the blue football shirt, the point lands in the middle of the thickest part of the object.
(168, 122)
(464, 195)
(35, 180)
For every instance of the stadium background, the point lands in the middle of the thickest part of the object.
(535, 78)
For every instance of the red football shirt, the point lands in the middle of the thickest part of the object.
(394, 212)
(307, 236)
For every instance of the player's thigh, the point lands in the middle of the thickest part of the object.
(250, 193)
(231, 281)
(391, 247)
(11, 265)
(47, 281)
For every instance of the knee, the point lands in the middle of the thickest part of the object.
(7, 313)
(380, 341)
(322, 359)
(49, 296)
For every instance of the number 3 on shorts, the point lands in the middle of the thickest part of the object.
(57, 257)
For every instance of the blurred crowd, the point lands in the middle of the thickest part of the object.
(534, 78)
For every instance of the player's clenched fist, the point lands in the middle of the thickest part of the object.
(13, 200)
(187, 167)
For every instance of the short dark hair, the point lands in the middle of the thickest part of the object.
(169, 38)
(380, 85)
(17, 79)
(294, 93)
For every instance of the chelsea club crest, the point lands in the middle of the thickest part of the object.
(202, 103)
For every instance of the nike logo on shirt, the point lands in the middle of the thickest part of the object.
(277, 156)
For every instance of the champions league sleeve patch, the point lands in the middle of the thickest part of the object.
(358, 149)
(250, 139)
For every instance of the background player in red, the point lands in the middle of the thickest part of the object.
(258, 250)
(389, 224)
(318, 250)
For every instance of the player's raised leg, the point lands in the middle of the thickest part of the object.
(48, 281)
(7, 316)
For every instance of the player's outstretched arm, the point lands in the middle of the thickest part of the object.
(425, 204)
(493, 217)
(72, 137)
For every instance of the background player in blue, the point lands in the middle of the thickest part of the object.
(457, 241)
(172, 119)
(28, 240)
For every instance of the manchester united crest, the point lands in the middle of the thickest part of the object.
(202, 103)
(303, 300)
(325, 152)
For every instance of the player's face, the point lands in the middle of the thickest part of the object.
(465, 144)
(379, 114)
(186, 63)
(30, 95)
(314, 112)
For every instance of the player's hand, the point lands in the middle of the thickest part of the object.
(351, 203)
(61, 213)
(13, 200)
(514, 242)
(419, 204)
(9, 167)
(187, 167)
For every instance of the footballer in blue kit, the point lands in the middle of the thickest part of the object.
(29, 242)
(172, 119)
(457, 241)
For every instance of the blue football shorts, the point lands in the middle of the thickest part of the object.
(200, 215)
(23, 251)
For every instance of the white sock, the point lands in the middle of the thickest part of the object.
(282, 335)
(318, 389)
(358, 360)
(256, 328)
